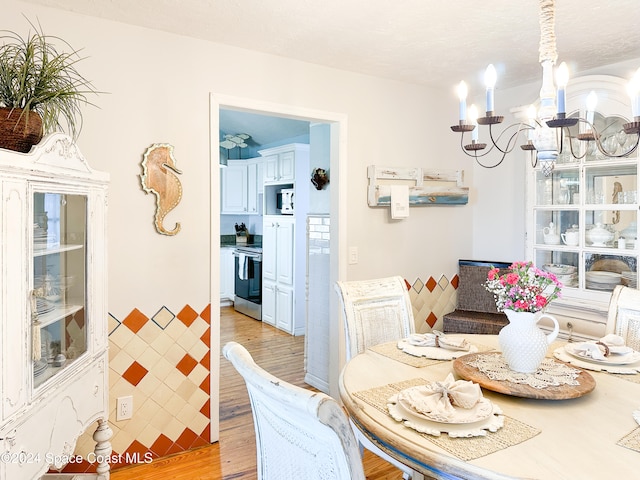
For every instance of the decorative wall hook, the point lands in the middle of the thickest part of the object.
(319, 178)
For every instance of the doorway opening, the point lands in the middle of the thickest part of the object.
(335, 151)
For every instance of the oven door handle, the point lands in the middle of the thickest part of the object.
(253, 256)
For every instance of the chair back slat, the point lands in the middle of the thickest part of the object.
(374, 311)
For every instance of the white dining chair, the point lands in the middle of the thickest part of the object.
(624, 315)
(375, 311)
(300, 434)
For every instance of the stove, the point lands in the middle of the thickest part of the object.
(248, 280)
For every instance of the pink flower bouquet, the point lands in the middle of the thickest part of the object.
(523, 288)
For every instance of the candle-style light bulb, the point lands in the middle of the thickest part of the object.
(633, 88)
(473, 118)
(592, 101)
(490, 77)
(562, 78)
(531, 115)
(462, 95)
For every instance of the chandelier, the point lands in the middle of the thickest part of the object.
(547, 128)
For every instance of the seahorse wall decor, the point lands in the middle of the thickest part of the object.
(159, 177)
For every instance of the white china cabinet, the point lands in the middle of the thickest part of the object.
(53, 359)
(583, 217)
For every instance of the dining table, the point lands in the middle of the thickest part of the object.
(587, 428)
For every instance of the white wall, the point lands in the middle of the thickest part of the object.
(158, 86)
(319, 156)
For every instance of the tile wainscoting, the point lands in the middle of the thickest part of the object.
(431, 300)
(163, 361)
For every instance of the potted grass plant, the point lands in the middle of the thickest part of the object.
(40, 89)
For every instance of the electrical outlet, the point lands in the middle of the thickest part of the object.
(124, 408)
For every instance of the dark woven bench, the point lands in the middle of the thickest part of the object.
(476, 308)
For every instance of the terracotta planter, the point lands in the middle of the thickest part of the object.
(17, 133)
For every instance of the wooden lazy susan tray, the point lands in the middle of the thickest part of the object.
(586, 383)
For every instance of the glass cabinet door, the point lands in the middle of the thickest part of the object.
(58, 298)
(585, 218)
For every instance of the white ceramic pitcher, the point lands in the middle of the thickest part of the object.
(523, 344)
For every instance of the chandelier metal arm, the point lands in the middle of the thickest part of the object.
(591, 134)
(511, 144)
(474, 148)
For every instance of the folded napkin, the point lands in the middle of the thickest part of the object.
(441, 398)
(590, 350)
(600, 350)
(438, 339)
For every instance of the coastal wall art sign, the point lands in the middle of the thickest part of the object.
(159, 176)
(425, 187)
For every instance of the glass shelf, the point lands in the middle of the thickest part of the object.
(58, 282)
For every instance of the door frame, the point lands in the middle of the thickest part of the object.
(338, 249)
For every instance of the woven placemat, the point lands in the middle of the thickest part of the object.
(512, 433)
(391, 350)
(631, 440)
(633, 378)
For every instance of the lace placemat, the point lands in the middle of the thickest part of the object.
(391, 350)
(549, 374)
(512, 433)
(631, 440)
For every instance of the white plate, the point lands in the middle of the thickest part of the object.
(561, 354)
(493, 423)
(433, 353)
(480, 411)
(598, 276)
(625, 359)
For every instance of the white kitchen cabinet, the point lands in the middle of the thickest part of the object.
(280, 162)
(234, 187)
(227, 275)
(241, 184)
(255, 185)
(269, 302)
(53, 293)
(284, 309)
(284, 238)
(278, 257)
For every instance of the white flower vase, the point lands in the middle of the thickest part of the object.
(523, 344)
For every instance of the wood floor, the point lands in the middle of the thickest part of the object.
(234, 456)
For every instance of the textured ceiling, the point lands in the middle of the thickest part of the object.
(428, 42)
